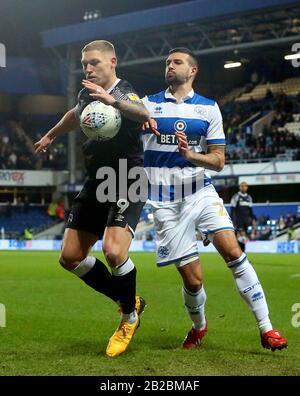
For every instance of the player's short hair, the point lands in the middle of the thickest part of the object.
(99, 45)
(192, 57)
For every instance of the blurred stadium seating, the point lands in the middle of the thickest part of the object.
(15, 219)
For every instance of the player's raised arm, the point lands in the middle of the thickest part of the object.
(132, 109)
(68, 123)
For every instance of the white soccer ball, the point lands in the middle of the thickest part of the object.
(99, 121)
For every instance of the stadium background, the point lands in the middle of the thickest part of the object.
(40, 76)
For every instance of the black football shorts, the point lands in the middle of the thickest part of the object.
(94, 217)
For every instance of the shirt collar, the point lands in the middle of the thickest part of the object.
(113, 86)
(168, 95)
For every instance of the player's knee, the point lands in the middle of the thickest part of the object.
(233, 254)
(194, 284)
(113, 254)
(70, 261)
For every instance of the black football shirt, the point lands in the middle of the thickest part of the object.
(126, 144)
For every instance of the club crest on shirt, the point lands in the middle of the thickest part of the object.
(163, 252)
(198, 110)
(180, 126)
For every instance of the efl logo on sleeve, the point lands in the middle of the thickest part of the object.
(2, 55)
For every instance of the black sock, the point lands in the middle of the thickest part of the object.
(100, 279)
(242, 246)
(126, 286)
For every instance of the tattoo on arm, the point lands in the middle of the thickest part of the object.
(135, 111)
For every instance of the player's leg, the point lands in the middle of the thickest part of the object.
(75, 258)
(176, 244)
(248, 286)
(215, 223)
(116, 241)
(194, 298)
(193, 292)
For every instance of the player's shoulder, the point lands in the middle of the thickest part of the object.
(124, 86)
(203, 100)
(125, 91)
(156, 98)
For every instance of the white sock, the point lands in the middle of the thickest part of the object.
(124, 268)
(84, 266)
(251, 291)
(131, 318)
(195, 305)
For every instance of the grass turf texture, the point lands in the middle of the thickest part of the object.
(56, 325)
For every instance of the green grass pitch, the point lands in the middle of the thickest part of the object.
(56, 325)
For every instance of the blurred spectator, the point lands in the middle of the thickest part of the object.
(269, 94)
(265, 233)
(291, 235)
(28, 234)
(281, 223)
(19, 201)
(16, 148)
(52, 208)
(273, 141)
(60, 210)
(26, 204)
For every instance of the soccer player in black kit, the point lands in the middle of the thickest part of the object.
(89, 219)
(242, 214)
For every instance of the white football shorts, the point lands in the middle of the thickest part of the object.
(177, 222)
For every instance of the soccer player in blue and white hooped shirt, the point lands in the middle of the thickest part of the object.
(190, 140)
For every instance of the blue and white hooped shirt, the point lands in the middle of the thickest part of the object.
(170, 175)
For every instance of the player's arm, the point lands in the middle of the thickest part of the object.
(214, 159)
(134, 110)
(68, 123)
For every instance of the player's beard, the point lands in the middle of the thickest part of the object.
(176, 80)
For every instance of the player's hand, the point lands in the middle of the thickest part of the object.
(98, 93)
(42, 145)
(183, 145)
(152, 125)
